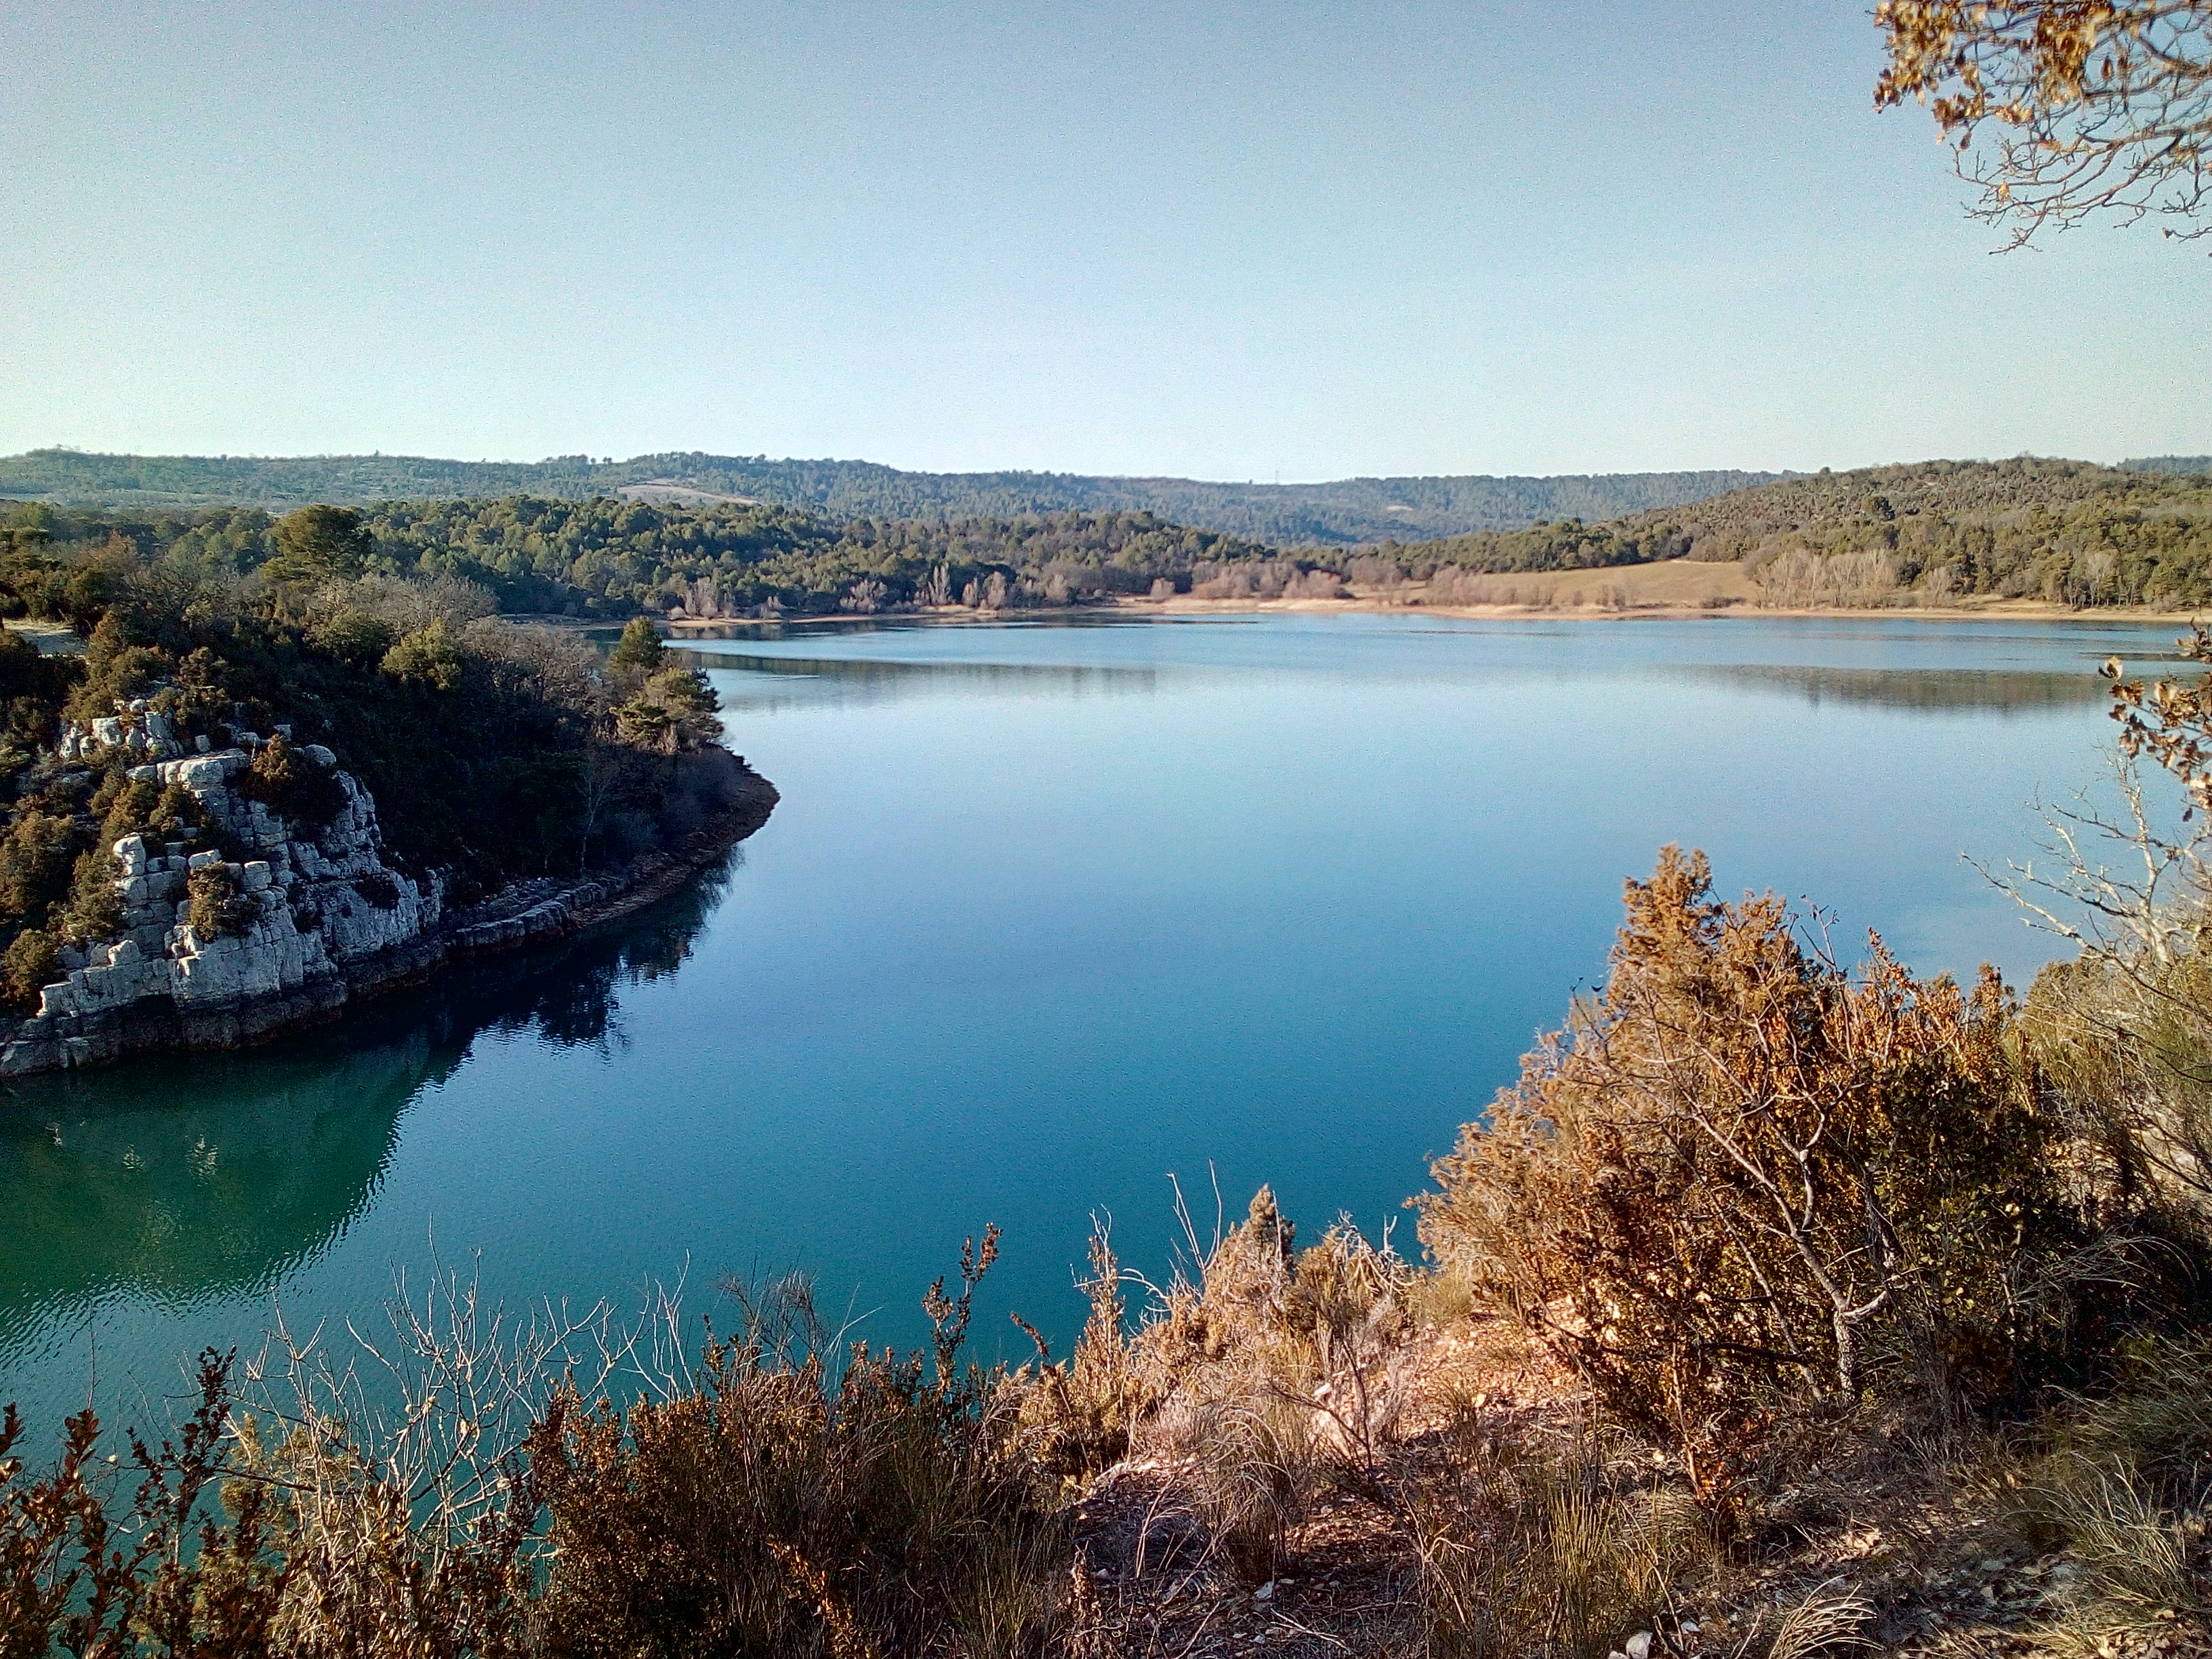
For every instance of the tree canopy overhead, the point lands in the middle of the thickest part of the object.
(2097, 106)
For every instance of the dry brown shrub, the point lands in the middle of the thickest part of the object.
(1524, 1548)
(1258, 1380)
(1744, 1184)
(771, 1506)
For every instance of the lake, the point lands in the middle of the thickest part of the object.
(1048, 914)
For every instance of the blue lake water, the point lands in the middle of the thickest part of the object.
(1047, 914)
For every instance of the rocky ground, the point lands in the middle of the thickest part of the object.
(1884, 1557)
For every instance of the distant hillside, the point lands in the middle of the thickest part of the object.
(601, 557)
(1347, 512)
(2183, 464)
(2069, 531)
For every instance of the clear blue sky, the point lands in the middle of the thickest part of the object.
(1223, 240)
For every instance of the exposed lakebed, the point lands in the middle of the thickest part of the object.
(1047, 912)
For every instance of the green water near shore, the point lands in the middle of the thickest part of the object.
(1047, 914)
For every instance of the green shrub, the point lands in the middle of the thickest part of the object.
(95, 909)
(294, 785)
(217, 905)
(319, 542)
(640, 647)
(126, 810)
(352, 633)
(426, 657)
(32, 961)
(36, 860)
(673, 712)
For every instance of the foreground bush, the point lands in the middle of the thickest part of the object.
(1744, 1187)
(763, 1503)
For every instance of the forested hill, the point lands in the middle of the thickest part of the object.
(2064, 530)
(604, 557)
(1345, 512)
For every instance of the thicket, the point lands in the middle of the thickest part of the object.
(493, 752)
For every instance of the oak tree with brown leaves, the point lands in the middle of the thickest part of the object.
(2092, 106)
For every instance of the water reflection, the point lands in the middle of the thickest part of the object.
(774, 683)
(178, 1180)
(1922, 690)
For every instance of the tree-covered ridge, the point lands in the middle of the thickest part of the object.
(608, 557)
(2062, 531)
(1343, 513)
(1731, 525)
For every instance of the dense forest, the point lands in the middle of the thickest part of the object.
(1345, 512)
(493, 752)
(605, 557)
(2066, 531)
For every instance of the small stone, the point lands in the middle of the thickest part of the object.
(202, 744)
(1639, 1646)
(1265, 1592)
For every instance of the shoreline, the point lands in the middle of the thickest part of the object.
(532, 913)
(1997, 611)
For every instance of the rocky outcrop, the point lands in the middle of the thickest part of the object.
(306, 923)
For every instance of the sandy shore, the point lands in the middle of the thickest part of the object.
(1672, 588)
(1994, 610)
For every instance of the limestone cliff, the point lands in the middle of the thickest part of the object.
(306, 922)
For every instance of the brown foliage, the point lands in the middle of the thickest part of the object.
(1743, 1184)
(2101, 106)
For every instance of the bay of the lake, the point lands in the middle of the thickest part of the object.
(1048, 913)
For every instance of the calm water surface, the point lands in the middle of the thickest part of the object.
(1047, 914)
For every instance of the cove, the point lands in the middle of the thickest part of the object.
(1048, 911)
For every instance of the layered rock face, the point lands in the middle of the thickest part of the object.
(137, 727)
(293, 921)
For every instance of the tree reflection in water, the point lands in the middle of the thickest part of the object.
(182, 1179)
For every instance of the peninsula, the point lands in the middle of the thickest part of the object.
(237, 801)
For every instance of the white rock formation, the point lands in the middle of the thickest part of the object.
(136, 728)
(321, 902)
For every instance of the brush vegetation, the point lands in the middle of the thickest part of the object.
(1781, 1308)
